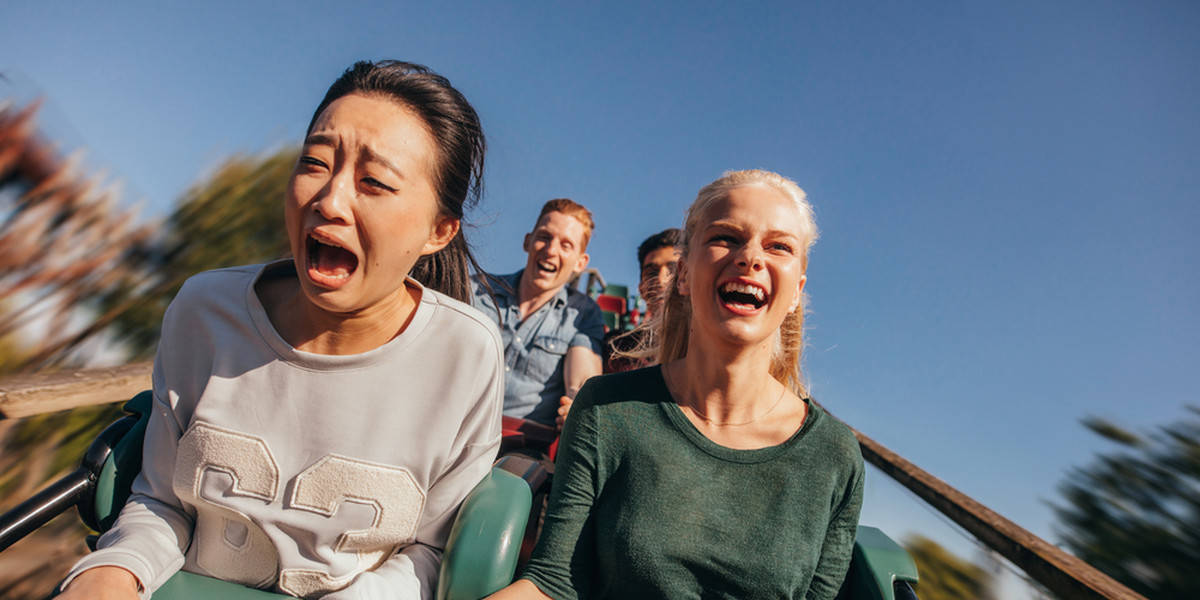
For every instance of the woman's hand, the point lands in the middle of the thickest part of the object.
(102, 583)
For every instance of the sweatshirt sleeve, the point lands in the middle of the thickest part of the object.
(154, 528)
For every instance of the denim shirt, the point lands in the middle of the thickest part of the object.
(535, 349)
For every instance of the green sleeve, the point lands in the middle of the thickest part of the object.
(838, 545)
(564, 560)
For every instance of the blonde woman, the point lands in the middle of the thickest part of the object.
(710, 475)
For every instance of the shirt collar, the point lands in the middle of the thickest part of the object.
(514, 282)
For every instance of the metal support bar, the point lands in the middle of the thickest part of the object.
(43, 506)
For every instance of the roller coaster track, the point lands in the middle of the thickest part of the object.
(1065, 575)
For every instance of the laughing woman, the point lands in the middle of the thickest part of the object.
(318, 421)
(711, 475)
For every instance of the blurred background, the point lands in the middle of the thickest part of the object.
(1005, 291)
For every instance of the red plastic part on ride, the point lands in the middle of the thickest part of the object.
(519, 433)
(611, 303)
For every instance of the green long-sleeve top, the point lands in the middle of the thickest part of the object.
(645, 506)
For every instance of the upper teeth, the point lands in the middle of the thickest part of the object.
(742, 288)
(546, 266)
(325, 242)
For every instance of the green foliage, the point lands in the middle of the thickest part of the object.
(12, 356)
(945, 576)
(233, 218)
(1135, 513)
(1112, 432)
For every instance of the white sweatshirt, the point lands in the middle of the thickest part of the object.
(312, 475)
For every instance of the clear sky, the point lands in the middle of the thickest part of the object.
(1007, 192)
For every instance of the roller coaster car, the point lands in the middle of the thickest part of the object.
(485, 542)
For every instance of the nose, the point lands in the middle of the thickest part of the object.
(664, 276)
(334, 202)
(750, 257)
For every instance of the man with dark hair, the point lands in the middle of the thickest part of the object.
(552, 334)
(657, 259)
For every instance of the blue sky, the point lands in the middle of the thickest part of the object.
(1007, 192)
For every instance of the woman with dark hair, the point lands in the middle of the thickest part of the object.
(458, 137)
(710, 475)
(318, 421)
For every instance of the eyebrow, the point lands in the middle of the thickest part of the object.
(732, 227)
(378, 159)
(649, 263)
(321, 139)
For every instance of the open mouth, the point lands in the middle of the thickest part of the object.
(546, 267)
(330, 261)
(743, 296)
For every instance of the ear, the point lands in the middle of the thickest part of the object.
(525, 242)
(799, 294)
(582, 263)
(444, 230)
(681, 279)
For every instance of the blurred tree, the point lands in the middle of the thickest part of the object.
(233, 218)
(1135, 513)
(82, 269)
(11, 355)
(63, 238)
(945, 576)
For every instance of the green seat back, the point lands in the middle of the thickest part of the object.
(877, 563)
(611, 319)
(190, 586)
(614, 289)
(485, 542)
(123, 465)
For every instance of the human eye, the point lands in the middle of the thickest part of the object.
(783, 247)
(308, 160)
(375, 184)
